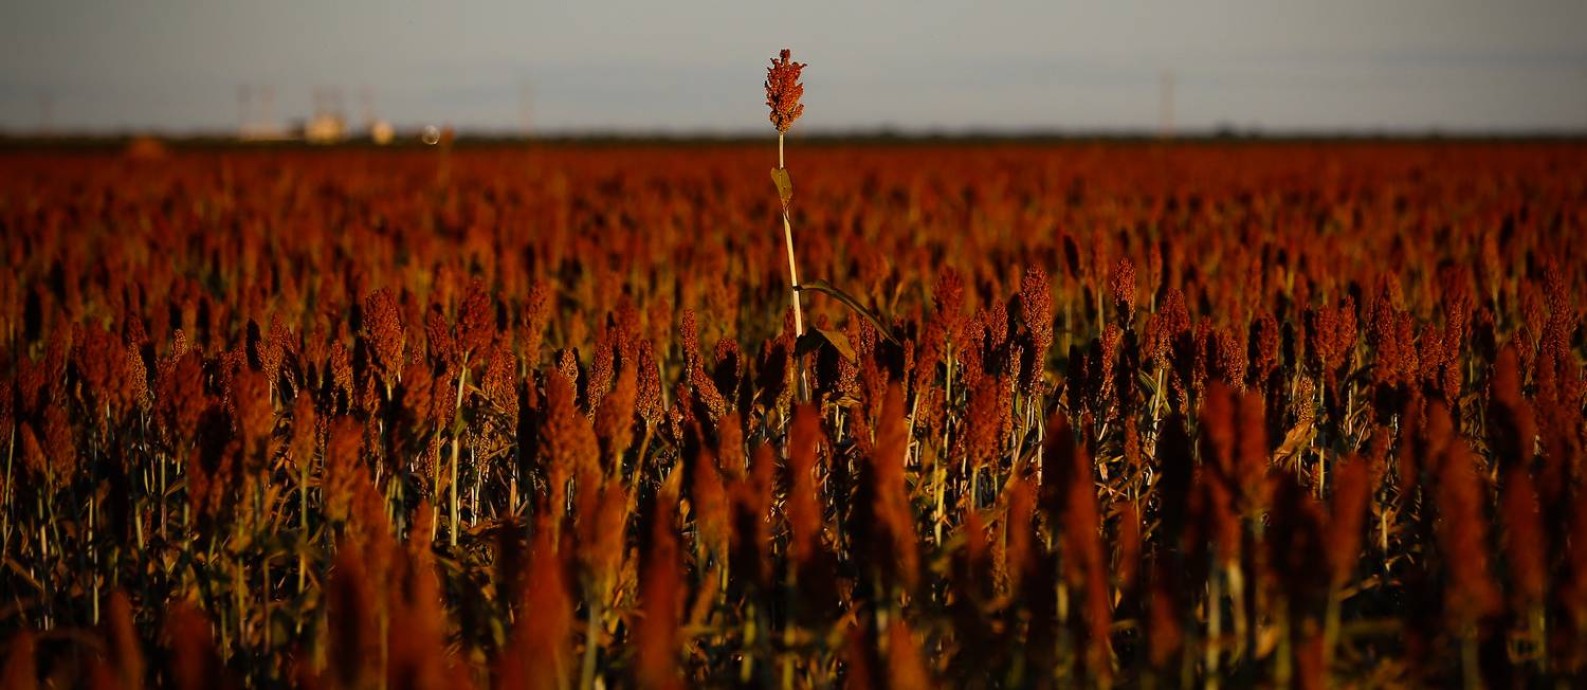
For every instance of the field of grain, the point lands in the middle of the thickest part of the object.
(1130, 414)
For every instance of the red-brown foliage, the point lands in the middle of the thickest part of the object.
(1328, 395)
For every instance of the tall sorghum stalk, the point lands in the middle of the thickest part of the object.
(782, 96)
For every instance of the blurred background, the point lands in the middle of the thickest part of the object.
(356, 68)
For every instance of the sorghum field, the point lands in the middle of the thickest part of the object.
(1131, 414)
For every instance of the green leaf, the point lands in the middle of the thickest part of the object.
(847, 299)
(779, 176)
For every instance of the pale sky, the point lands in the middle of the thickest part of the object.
(695, 66)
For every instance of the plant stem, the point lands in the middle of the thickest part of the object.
(592, 631)
(793, 270)
(1214, 631)
(452, 523)
(5, 500)
(164, 487)
(1470, 668)
(1331, 628)
(457, 429)
(303, 520)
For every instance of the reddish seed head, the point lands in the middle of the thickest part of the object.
(647, 383)
(1122, 283)
(99, 357)
(1265, 333)
(179, 396)
(194, 662)
(1218, 427)
(1462, 536)
(1164, 633)
(1230, 359)
(1036, 311)
(1524, 542)
(600, 371)
(353, 604)
(121, 637)
(1334, 334)
(476, 321)
(568, 435)
(33, 455)
(340, 363)
(803, 509)
(1251, 454)
(709, 498)
(783, 91)
(1020, 554)
(60, 443)
(250, 393)
(1348, 510)
(601, 542)
(343, 460)
(1173, 319)
(704, 388)
(614, 418)
(904, 663)
(1127, 568)
(537, 655)
(984, 424)
(386, 332)
(137, 377)
(1112, 342)
(536, 314)
(656, 634)
(892, 508)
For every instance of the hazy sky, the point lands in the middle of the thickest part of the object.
(697, 65)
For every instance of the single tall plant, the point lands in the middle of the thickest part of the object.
(783, 91)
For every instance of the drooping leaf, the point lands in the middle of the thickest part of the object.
(839, 342)
(812, 339)
(852, 303)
